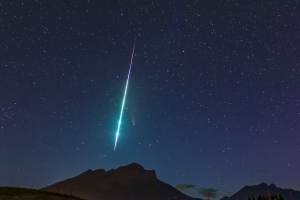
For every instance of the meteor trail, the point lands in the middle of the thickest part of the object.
(123, 102)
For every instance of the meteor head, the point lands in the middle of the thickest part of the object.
(117, 134)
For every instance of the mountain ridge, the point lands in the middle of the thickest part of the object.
(130, 182)
(263, 189)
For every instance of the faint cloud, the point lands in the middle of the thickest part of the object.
(208, 192)
(213, 193)
(222, 192)
(182, 187)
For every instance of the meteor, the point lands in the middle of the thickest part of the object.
(123, 102)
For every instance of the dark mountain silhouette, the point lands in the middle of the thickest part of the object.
(263, 189)
(131, 182)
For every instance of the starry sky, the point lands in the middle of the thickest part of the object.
(213, 101)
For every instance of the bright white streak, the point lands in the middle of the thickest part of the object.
(123, 103)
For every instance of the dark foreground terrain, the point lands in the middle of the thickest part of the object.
(12, 193)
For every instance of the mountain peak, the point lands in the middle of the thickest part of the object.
(263, 184)
(132, 166)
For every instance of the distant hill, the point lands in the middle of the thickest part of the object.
(131, 182)
(12, 193)
(262, 190)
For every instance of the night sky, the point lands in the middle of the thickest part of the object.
(213, 99)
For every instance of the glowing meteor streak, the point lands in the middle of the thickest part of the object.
(119, 123)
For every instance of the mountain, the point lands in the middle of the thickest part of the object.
(263, 189)
(131, 182)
